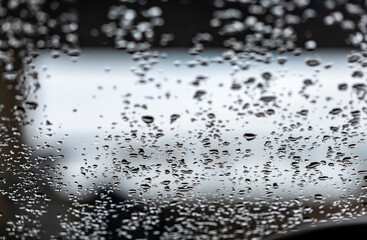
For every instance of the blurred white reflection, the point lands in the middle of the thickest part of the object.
(86, 103)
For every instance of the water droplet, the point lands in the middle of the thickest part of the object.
(249, 136)
(147, 119)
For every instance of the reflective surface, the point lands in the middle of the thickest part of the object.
(182, 119)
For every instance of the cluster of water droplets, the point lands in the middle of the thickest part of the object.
(240, 143)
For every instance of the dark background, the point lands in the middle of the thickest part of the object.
(185, 18)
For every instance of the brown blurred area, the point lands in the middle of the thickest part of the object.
(10, 139)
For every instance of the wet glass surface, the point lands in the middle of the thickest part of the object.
(120, 121)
